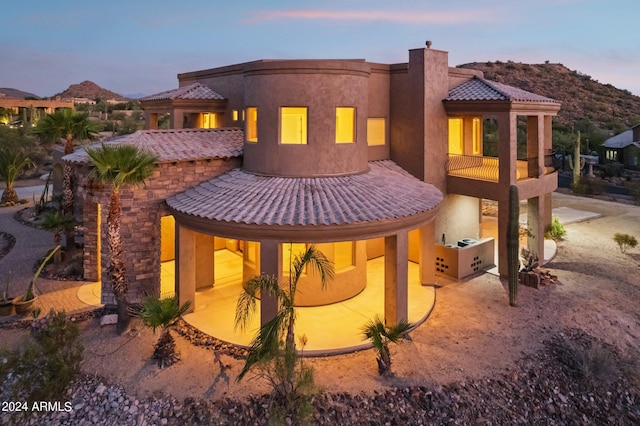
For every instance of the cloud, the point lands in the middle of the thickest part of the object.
(436, 17)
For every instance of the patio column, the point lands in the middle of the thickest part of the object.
(186, 266)
(270, 260)
(396, 295)
(535, 146)
(204, 261)
(507, 149)
(535, 225)
(428, 253)
(503, 224)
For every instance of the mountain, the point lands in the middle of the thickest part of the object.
(582, 97)
(135, 95)
(16, 94)
(90, 90)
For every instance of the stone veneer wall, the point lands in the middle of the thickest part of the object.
(142, 208)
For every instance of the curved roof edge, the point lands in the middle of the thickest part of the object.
(243, 205)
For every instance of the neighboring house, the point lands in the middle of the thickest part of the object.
(624, 148)
(363, 159)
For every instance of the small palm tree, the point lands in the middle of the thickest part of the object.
(119, 165)
(12, 163)
(57, 222)
(163, 313)
(70, 125)
(268, 342)
(380, 335)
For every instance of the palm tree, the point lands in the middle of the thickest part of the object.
(12, 163)
(163, 313)
(70, 125)
(57, 222)
(380, 336)
(119, 165)
(268, 341)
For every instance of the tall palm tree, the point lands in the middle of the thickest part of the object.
(380, 336)
(268, 340)
(12, 163)
(68, 125)
(119, 165)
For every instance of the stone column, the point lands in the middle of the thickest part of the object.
(507, 149)
(270, 261)
(204, 261)
(186, 266)
(396, 294)
(428, 253)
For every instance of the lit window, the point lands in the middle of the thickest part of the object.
(234, 114)
(252, 124)
(343, 254)
(455, 136)
(345, 125)
(293, 125)
(289, 252)
(208, 120)
(376, 132)
(477, 137)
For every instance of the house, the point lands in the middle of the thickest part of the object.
(624, 148)
(362, 159)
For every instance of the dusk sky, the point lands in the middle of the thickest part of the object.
(140, 46)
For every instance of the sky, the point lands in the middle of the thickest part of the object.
(139, 46)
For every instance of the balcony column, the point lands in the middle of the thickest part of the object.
(177, 119)
(535, 146)
(507, 149)
(396, 295)
(270, 261)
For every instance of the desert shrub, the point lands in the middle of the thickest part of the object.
(43, 368)
(612, 169)
(556, 231)
(587, 186)
(589, 361)
(625, 241)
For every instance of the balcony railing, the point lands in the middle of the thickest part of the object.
(487, 168)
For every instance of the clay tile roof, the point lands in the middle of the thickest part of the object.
(480, 89)
(385, 192)
(195, 91)
(178, 144)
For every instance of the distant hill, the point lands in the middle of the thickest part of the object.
(90, 90)
(582, 97)
(16, 94)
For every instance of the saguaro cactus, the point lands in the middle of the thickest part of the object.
(513, 238)
(576, 163)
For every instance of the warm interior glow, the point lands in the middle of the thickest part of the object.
(234, 114)
(208, 120)
(252, 124)
(345, 125)
(477, 136)
(343, 255)
(290, 251)
(167, 238)
(456, 136)
(252, 251)
(376, 132)
(293, 125)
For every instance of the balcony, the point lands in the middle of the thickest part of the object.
(486, 168)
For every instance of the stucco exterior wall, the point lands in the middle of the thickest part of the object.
(142, 208)
(321, 86)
